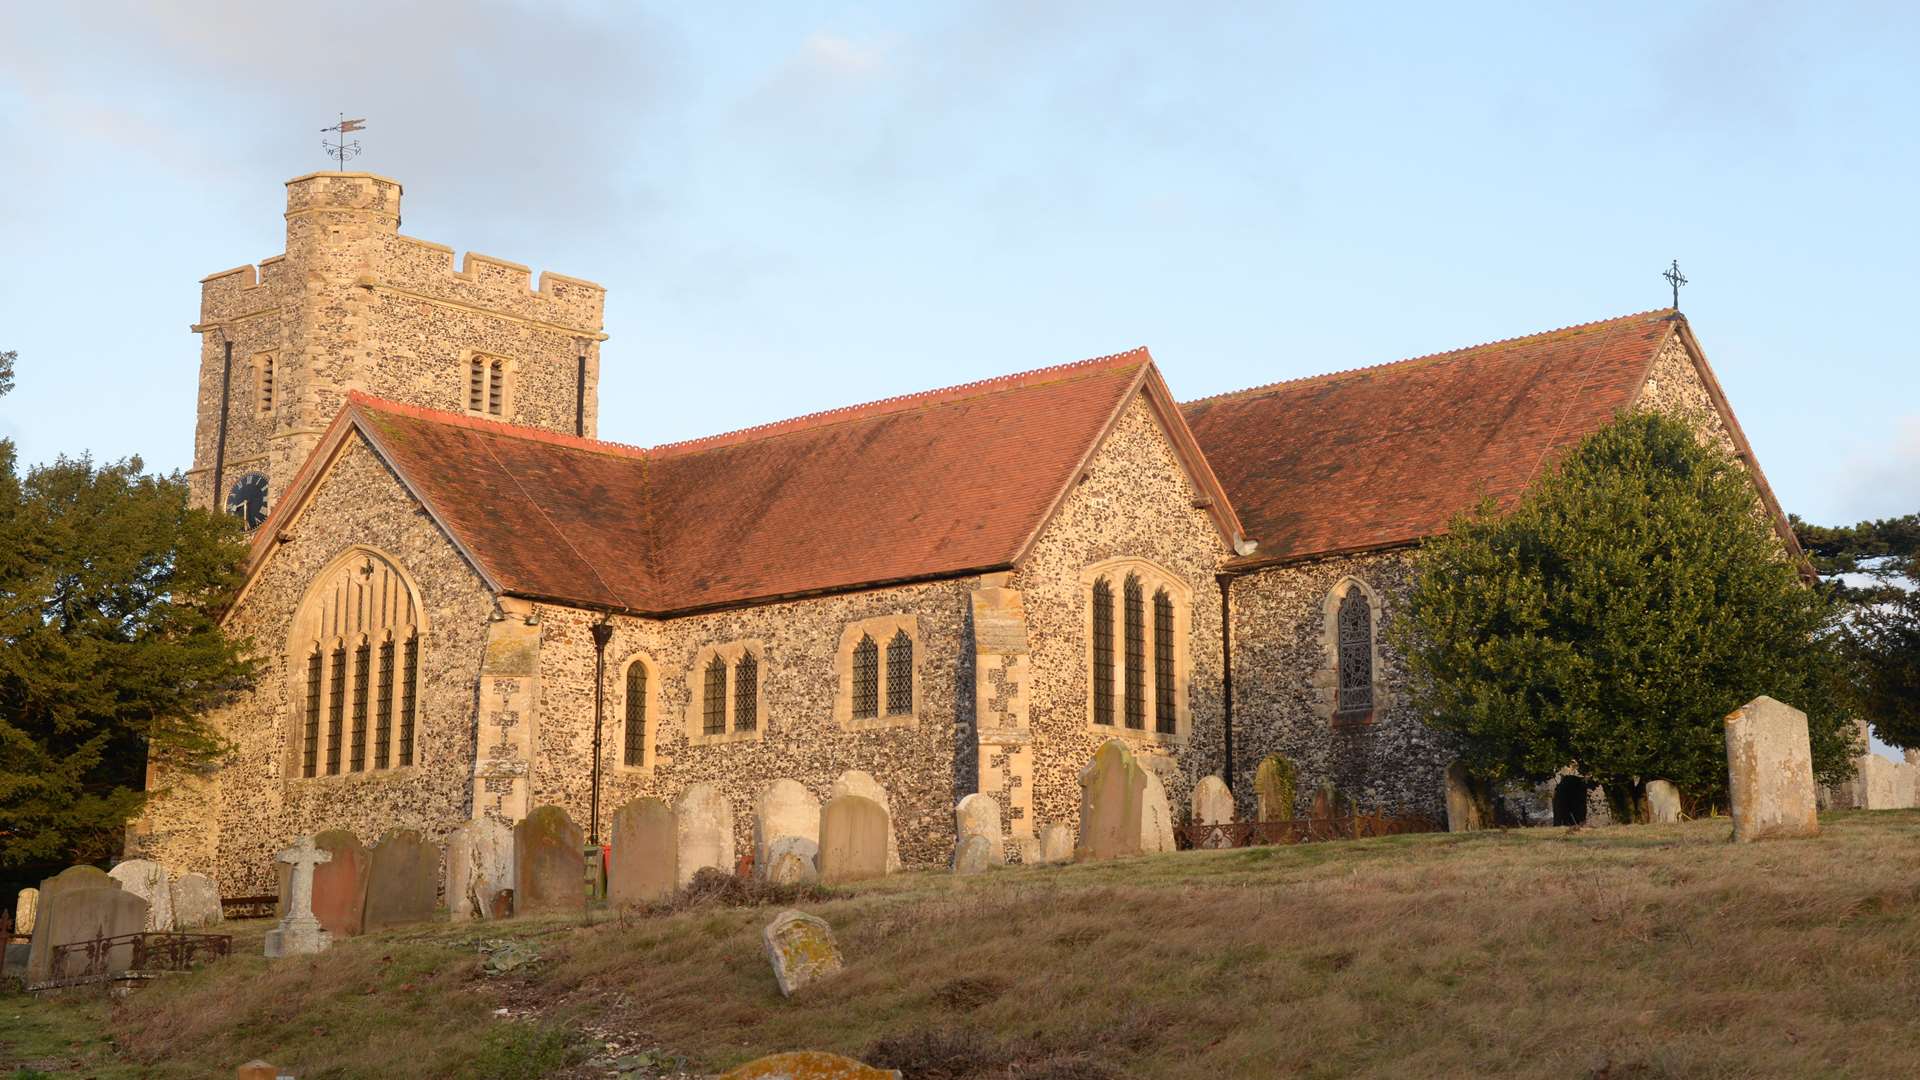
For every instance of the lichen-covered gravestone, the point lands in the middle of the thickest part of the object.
(82, 903)
(196, 902)
(1663, 802)
(24, 907)
(703, 823)
(644, 864)
(978, 815)
(402, 878)
(149, 881)
(801, 949)
(1112, 793)
(793, 860)
(1466, 805)
(809, 1065)
(853, 839)
(860, 782)
(784, 808)
(479, 868)
(973, 855)
(549, 868)
(1056, 843)
(1273, 788)
(1212, 802)
(1770, 772)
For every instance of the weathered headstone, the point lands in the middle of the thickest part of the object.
(861, 783)
(703, 822)
(784, 808)
(978, 815)
(644, 864)
(299, 932)
(801, 947)
(196, 902)
(340, 883)
(1212, 802)
(79, 904)
(1326, 802)
(23, 908)
(1273, 788)
(809, 1065)
(549, 874)
(1056, 843)
(1770, 772)
(853, 839)
(479, 868)
(402, 877)
(1112, 793)
(1156, 817)
(1467, 804)
(149, 881)
(974, 855)
(793, 860)
(1663, 802)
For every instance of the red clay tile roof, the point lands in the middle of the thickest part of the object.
(1387, 455)
(922, 486)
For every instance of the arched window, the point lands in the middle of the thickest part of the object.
(354, 661)
(1164, 717)
(866, 679)
(1136, 643)
(714, 701)
(1355, 628)
(635, 748)
(1102, 652)
(746, 693)
(900, 674)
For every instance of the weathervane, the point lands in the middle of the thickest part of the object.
(1676, 279)
(341, 150)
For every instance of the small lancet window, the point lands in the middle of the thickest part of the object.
(263, 383)
(1136, 645)
(1355, 625)
(636, 745)
(336, 707)
(1163, 711)
(1102, 652)
(866, 678)
(407, 687)
(713, 699)
(310, 758)
(362, 663)
(900, 674)
(383, 709)
(746, 693)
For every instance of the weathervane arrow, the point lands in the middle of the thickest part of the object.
(341, 149)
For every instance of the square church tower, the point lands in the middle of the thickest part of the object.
(354, 305)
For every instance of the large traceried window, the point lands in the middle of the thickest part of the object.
(875, 667)
(1137, 655)
(1356, 656)
(354, 662)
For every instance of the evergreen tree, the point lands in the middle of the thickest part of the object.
(1614, 617)
(110, 587)
(1874, 569)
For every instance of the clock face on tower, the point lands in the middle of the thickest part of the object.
(248, 499)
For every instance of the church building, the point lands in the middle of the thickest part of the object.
(466, 604)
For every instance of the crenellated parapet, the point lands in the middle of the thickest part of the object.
(428, 271)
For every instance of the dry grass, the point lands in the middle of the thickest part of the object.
(1650, 951)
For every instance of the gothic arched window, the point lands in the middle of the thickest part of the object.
(1136, 646)
(714, 701)
(866, 679)
(635, 747)
(900, 674)
(746, 693)
(1137, 649)
(1163, 699)
(1102, 652)
(1355, 627)
(354, 660)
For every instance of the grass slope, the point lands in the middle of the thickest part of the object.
(1646, 951)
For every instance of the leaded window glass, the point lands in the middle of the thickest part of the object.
(900, 674)
(409, 684)
(866, 679)
(336, 707)
(1136, 645)
(746, 693)
(1102, 652)
(311, 758)
(713, 702)
(1163, 711)
(383, 709)
(1355, 625)
(362, 674)
(636, 745)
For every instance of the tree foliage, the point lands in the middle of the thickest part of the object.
(110, 651)
(1614, 617)
(1874, 569)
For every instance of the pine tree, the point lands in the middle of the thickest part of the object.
(1873, 568)
(1615, 615)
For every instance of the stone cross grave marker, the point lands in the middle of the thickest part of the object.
(299, 931)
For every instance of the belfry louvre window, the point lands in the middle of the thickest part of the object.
(1163, 712)
(355, 660)
(263, 382)
(746, 693)
(636, 745)
(1136, 655)
(1355, 623)
(487, 385)
(1102, 652)
(866, 679)
(899, 674)
(714, 701)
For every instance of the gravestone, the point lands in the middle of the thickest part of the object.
(1770, 772)
(1273, 789)
(974, 854)
(1467, 807)
(82, 903)
(1112, 796)
(978, 815)
(703, 823)
(23, 908)
(861, 783)
(784, 808)
(340, 883)
(1663, 802)
(643, 866)
(809, 1065)
(793, 860)
(1156, 817)
(853, 840)
(1056, 843)
(299, 931)
(402, 879)
(549, 872)
(479, 869)
(1212, 802)
(148, 880)
(196, 902)
(801, 947)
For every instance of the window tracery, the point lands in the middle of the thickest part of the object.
(359, 620)
(1150, 671)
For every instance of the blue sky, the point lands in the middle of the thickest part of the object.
(818, 204)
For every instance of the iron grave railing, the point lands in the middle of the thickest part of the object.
(130, 956)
